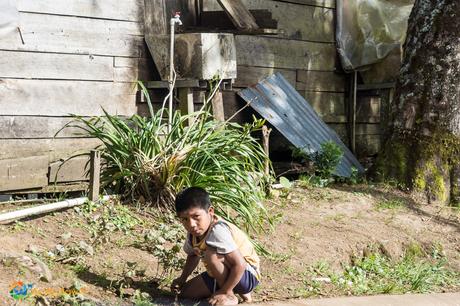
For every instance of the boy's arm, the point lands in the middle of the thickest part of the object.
(190, 265)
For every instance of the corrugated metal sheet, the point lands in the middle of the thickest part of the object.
(278, 102)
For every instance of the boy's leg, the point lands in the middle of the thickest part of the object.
(218, 267)
(247, 297)
(195, 289)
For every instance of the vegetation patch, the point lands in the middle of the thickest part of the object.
(149, 158)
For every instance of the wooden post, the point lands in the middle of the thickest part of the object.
(218, 106)
(266, 137)
(186, 102)
(352, 110)
(94, 175)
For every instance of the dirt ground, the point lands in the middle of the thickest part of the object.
(313, 226)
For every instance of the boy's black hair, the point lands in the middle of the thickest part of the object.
(192, 197)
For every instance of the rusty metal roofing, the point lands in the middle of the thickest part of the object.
(278, 102)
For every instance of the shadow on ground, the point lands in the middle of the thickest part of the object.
(159, 297)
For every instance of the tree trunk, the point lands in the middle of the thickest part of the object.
(422, 150)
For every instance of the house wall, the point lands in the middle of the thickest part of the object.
(305, 54)
(75, 57)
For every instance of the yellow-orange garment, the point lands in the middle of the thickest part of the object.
(241, 240)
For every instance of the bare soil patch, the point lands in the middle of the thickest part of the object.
(315, 226)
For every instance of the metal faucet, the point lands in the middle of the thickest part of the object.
(176, 19)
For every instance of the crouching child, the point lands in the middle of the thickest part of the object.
(232, 265)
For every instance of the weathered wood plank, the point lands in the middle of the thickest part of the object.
(35, 65)
(55, 66)
(94, 175)
(330, 106)
(282, 53)
(55, 149)
(361, 129)
(325, 3)
(300, 22)
(320, 81)
(239, 14)
(220, 20)
(129, 69)
(66, 34)
(247, 76)
(71, 170)
(131, 10)
(23, 173)
(368, 109)
(29, 127)
(155, 17)
(61, 98)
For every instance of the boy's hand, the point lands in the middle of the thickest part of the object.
(177, 284)
(223, 299)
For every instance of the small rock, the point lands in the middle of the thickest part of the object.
(323, 279)
(60, 249)
(32, 249)
(86, 247)
(66, 236)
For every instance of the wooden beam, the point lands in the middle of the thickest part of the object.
(94, 175)
(283, 53)
(23, 173)
(320, 81)
(247, 75)
(118, 10)
(69, 34)
(155, 17)
(71, 170)
(376, 86)
(218, 106)
(186, 105)
(178, 84)
(61, 98)
(239, 14)
(219, 19)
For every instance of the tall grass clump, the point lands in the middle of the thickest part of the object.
(145, 156)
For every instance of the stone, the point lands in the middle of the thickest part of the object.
(86, 247)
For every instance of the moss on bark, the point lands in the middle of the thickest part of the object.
(423, 164)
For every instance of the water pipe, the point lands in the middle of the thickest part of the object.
(42, 209)
(175, 20)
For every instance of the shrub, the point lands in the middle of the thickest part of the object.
(324, 161)
(147, 157)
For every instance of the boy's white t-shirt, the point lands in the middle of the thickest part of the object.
(220, 238)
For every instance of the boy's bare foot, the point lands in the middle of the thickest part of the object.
(247, 298)
(223, 300)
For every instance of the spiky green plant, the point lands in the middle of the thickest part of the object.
(148, 157)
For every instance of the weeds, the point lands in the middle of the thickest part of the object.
(390, 204)
(377, 274)
(165, 243)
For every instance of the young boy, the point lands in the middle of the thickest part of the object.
(232, 265)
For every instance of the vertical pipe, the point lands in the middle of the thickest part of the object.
(353, 121)
(171, 75)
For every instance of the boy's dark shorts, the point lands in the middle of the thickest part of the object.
(246, 284)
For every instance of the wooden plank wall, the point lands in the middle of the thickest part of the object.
(75, 57)
(305, 54)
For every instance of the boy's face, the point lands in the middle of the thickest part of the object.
(196, 220)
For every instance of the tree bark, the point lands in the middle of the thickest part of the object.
(421, 151)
